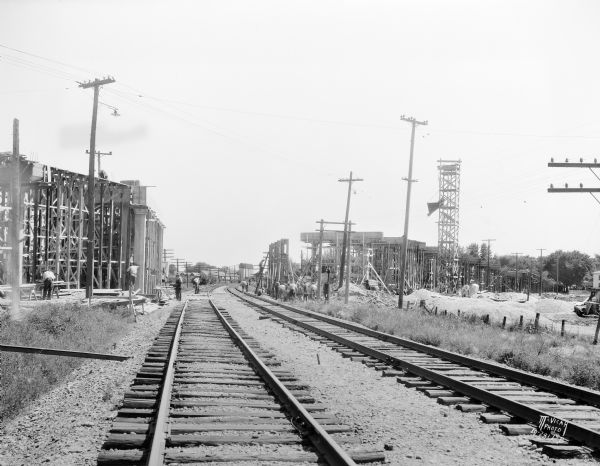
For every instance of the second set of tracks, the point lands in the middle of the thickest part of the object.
(522, 403)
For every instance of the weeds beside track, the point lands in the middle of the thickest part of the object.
(24, 377)
(571, 359)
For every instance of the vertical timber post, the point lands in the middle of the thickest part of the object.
(320, 266)
(15, 229)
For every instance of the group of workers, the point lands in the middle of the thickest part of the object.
(48, 279)
(303, 290)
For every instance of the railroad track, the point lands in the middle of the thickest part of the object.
(521, 402)
(207, 393)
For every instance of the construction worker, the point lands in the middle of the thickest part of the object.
(276, 289)
(132, 271)
(326, 291)
(178, 283)
(48, 277)
(196, 283)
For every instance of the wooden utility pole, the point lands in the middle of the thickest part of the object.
(15, 227)
(348, 262)
(320, 265)
(541, 264)
(99, 154)
(487, 275)
(91, 233)
(557, 264)
(409, 181)
(349, 180)
(517, 254)
(177, 261)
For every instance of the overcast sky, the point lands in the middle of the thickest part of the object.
(245, 114)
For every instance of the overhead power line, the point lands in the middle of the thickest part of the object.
(85, 70)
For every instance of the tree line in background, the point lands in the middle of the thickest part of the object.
(196, 268)
(568, 268)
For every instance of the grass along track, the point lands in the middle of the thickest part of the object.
(25, 377)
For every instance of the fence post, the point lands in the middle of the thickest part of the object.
(521, 322)
(537, 321)
(562, 328)
(504, 322)
(595, 342)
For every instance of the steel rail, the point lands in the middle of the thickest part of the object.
(576, 393)
(159, 435)
(302, 420)
(67, 353)
(573, 431)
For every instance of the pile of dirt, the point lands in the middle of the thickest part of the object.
(419, 295)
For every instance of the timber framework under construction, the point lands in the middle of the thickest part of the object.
(53, 231)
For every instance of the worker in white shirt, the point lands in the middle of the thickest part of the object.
(48, 277)
(133, 271)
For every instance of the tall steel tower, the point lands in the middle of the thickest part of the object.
(448, 225)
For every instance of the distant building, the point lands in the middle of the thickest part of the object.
(245, 271)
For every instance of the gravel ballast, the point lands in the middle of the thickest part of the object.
(384, 412)
(67, 426)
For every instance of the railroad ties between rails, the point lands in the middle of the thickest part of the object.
(565, 419)
(229, 402)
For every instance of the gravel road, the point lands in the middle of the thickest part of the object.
(67, 426)
(383, 411)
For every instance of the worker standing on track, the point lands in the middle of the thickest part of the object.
(196, 283)
(48, 277)
(177, 286)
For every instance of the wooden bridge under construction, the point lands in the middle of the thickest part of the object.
(53, 228)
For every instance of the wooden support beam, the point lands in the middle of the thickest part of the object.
(68, 353)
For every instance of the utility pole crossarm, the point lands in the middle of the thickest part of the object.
(414, 121)
(573, 165)
(97, 82)
(349, 179)
(573, 190)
